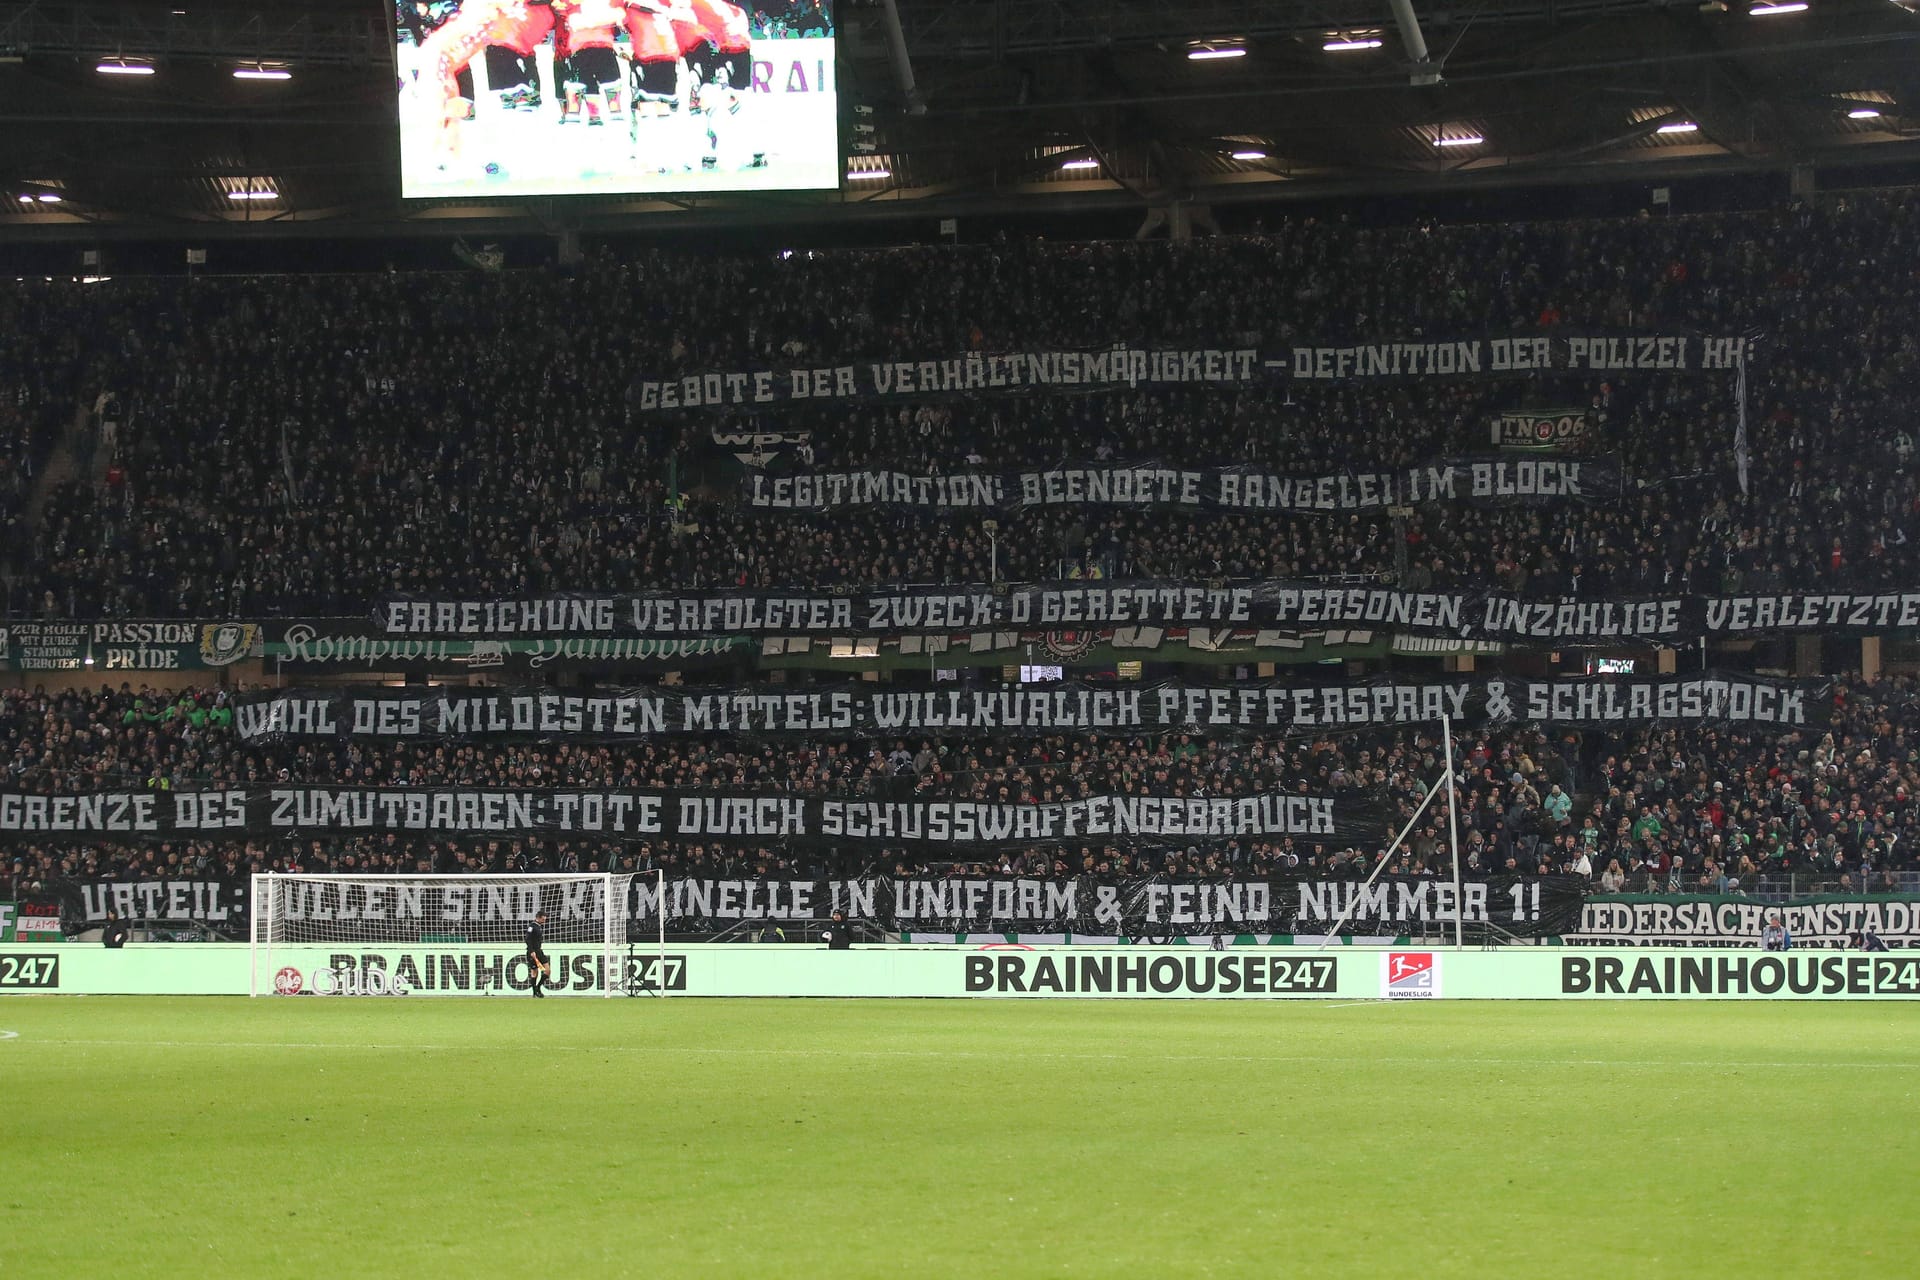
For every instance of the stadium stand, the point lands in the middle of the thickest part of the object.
(307, 444)
(301, 446)
(1670, 810)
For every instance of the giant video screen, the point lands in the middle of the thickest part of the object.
(601, 97)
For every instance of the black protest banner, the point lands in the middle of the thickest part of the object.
(1003, 373)
(1479, 480)
(1144, 906)
(203, 899)
(1723, 920)
(1519, 356)
(450, 813)
(1226, 365)
(1133, 906)
(1263, 707)
(1267, 603)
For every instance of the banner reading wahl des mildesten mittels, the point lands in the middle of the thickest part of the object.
(1249, 707)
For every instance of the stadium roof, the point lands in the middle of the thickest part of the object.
(1081, 103)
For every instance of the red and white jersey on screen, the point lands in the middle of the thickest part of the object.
(586, 24)
(715, 22)
(652, 28)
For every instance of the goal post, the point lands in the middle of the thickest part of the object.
(439, 934)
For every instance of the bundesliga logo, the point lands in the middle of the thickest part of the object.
(1411, 975)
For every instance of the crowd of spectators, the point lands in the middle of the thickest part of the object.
(307, 444)
(1659, 809)
(791, 20)
(46, 354)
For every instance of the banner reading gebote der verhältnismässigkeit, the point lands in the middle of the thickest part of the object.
(244, 813)
(1475, 480)
(864, 710)
(1122, 365)
(1299, 903)
(1266, 603)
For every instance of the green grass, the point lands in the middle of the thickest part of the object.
(923, 1138)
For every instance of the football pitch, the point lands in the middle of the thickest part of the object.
(158, 1136)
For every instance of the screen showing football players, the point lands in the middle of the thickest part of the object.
(584, 97)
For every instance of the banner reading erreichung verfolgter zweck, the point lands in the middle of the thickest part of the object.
(1267, 603)
(864, 710)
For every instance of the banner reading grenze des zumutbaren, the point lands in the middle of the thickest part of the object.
(1130, 906)
(733, 814)
(1268, 603)
(1483, 480)
(1122, 365)
(1252, 707)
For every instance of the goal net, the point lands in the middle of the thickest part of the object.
(441, 935)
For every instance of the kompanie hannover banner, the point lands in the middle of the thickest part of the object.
(1135, 906)
(614, 715)
(731, 814)
(1673, 620)
(1484, 480)
(340, 643)
(1121, 364)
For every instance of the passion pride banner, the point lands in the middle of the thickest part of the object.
(1718, 920)
(1122, 365)
(1490, 480)
(499, 813)
(1277, 604)
(1136, 906)
(122, 645)
(611, 715)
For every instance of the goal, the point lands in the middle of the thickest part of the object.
(444, 935)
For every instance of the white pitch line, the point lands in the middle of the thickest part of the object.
(763, 1051)
(9, 1035)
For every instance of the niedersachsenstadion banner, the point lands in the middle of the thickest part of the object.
(959, 972)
